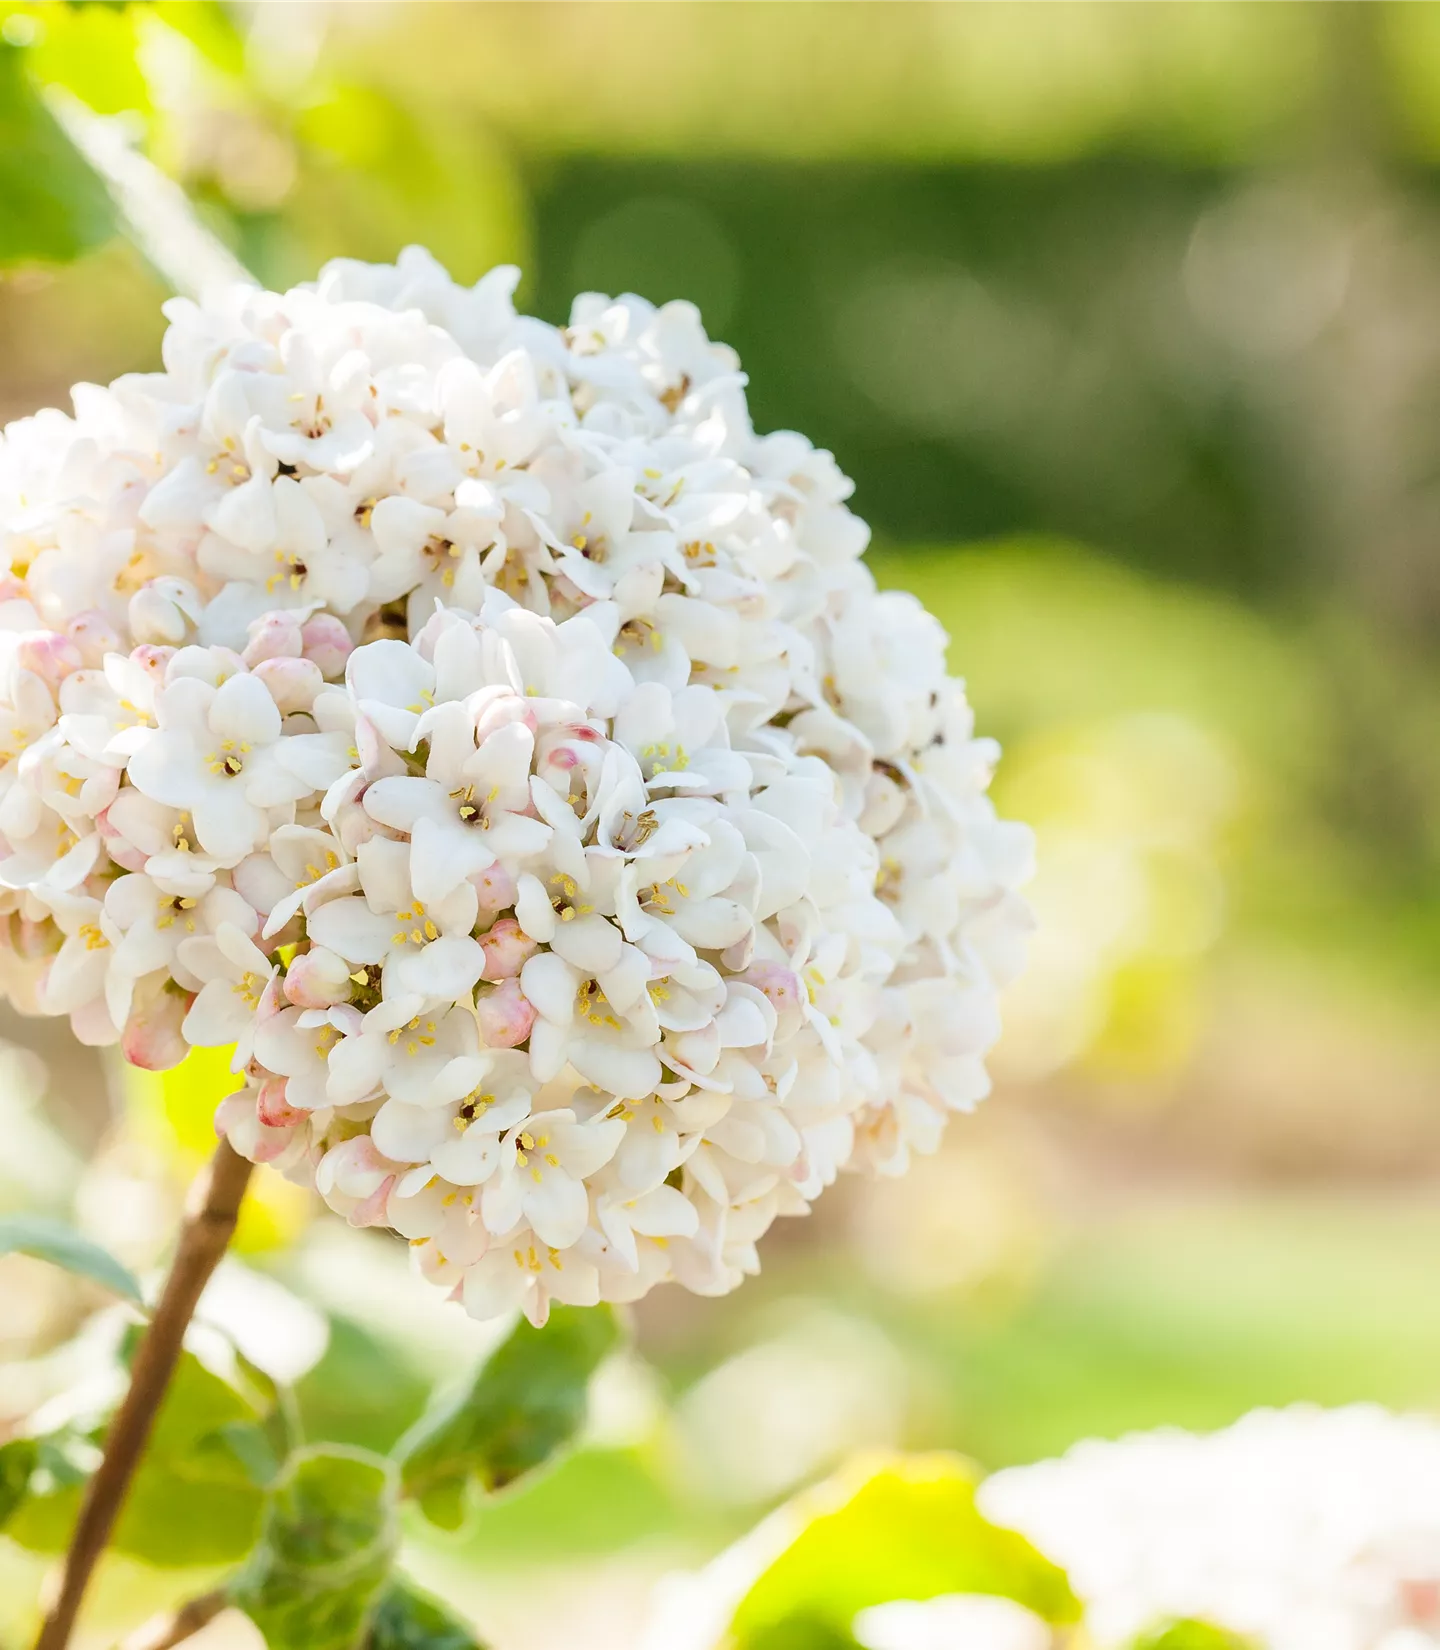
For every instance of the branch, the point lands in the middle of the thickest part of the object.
(174, 1627)
(213, 1207)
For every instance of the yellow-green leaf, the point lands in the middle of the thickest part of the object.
(893, 1528)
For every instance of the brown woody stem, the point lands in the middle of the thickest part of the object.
(165, 1632)
(211, 1213)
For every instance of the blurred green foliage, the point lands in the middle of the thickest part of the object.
(62, 1245)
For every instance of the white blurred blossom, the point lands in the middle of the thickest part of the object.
(1307, 1529)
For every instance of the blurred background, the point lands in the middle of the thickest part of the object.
(1126, 322)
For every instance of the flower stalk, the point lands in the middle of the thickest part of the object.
(212, 1210)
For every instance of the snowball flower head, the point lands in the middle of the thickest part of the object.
(1305, 1529)
(505, 748)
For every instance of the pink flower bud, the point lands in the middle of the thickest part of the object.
(238, 1120)
(273, 636)
(151, 1039)
(291, 683)
(95, 636)
(152, 660)
(495, 887)
(272, 1108)
(507, 949)
(501, 709)
(317, 979)
(505, 1015)
(780, 984)
(327, 643)
(48, 655)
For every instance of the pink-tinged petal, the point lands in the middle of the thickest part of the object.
(272, 1108)
(370, 1211)
(317, 978)
(507, 949)
(505, 1015)
(327, 643)
(152, 1039)
(558, 1209)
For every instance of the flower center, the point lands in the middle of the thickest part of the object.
(171, 906)
(229, 760)
(423, 930)
(473, 1106)
(593, 1005)
(658, 896)
(672, 758)
(92, 936)
(566, 903)
(248, 988)
(470, 811)
(421, 1039)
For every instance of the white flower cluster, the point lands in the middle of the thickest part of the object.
(1306, 1529)
(480, 726)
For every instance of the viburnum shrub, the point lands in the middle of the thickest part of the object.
(506, 749)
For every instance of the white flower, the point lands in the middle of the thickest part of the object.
(234, 974)
(506, 749)
(213, 755)
(540, 1178)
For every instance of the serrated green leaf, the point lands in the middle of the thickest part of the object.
(52, 205)
(195, 1498)
(60, 1244)
(18, 1460)
(326, 1550)
(1189, 1634)
(893, 1528)
(409, 1619)
(526, 1402)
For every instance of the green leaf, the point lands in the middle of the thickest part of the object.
(1191, 1635)
(803, 1632)
(888, 1529)
(52, 205)
(210, 29)
(18, 1460)
(198, 1495)
(62, 1245)
(324, 1557)
(526, 1402)
(408, 1619)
